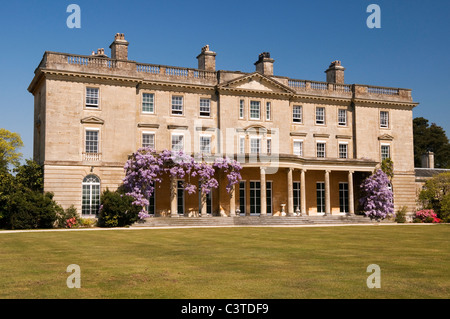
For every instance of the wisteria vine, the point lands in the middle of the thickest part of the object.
(377, 201)
(146, 167)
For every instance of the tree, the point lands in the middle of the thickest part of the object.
(9, 144)
(430, 138)
(146, 167)
(377, 199)
(436, 195)
(30, 175)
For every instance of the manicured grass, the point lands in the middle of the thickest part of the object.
(281, 263)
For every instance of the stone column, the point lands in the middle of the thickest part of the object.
(290, 189)
(263, 192)
(203, 206)
(173, 197)
(233, 201)
(303, 192)
(327, 193)
(351, 200)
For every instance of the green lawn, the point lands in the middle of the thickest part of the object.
(240, 262)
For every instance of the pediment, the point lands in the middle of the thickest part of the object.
(385, 137)
(257, 82)
(92, 120)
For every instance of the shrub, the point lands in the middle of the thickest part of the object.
(427, 216)
(400, 217)
(64, 215)
(28, 209)
(117, 209)
(87, 222)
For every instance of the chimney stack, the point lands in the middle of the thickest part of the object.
(207, 59)
(335, 73)
(119, 48)
(428, 160)
(264, 65)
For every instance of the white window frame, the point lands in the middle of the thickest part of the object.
(346, 149)
(241, 108)
(255, 138)
(92, 104)
(252, 105)
(171, 141)
(91, 129)
(268, 145)
(149, 134)
(388, 148)
(322, 116)
(297, 117)
(344, 122)
(324, 149)
(299, 142)
(206, 112)
(177, 106)
(203, 137)
(268, 111)
(384, 121)
(151, 103)
(241, 144)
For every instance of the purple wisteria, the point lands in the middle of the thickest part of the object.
(146, 167)
(377, 200)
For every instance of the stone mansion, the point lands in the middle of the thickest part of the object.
(305, 146)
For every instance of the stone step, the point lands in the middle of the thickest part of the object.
(251, 221)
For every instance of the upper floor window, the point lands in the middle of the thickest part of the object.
(148, 100)
(342, 117)
(297, 114)
(177, 105)
(242, 145)
(205, 144)
(298, 148)
(320, 115)
(269, 146)
(321, 149)
(241, 109)
(92, 97)
(385, 152)
(268, 111)
(148, 140)
(343, 150)
(205, 107)
(384, 119)
(91, 141)
(255, 145)
(177, 142)
(254, 110)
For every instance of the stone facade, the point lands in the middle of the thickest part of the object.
(305, 145)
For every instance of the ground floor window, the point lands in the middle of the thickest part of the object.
(343, 197)
(90, 195)
(151, 204)
(180, 197)
(242, 197)
(296, 195)
(208, 200)
(255, 198)
(320, 189)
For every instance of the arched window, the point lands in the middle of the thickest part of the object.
(91, 195)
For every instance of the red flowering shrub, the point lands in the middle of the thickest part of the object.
(427, 216)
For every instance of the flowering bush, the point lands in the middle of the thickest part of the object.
(426, 216)
(377, 202)
(146, 167)
(71, 222)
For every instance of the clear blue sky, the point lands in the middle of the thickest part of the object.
(411, 50)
